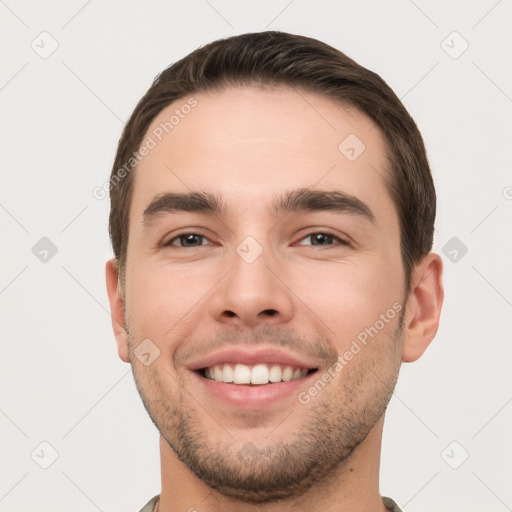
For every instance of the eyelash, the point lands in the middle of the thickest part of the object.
(177, 237)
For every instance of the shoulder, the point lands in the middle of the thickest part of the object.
(150, 504)
(391, 505)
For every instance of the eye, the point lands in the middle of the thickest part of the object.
(318, 239)
(322, 239)
(187, 240)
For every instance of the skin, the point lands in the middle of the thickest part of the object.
(247, 145)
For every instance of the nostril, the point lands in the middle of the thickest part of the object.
(270, 312)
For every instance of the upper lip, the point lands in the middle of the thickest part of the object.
(254, 356)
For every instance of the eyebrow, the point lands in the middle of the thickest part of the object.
(294, 201)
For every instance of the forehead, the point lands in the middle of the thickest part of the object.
(247, 143)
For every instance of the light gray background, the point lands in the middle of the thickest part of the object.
(62, 116)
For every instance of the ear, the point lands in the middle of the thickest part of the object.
(423, 307)
(117, 309)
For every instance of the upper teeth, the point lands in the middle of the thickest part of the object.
(257, 374)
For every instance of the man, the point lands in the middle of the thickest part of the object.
(272, 219)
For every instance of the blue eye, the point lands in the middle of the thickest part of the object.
(187, 240)
(321, 239)
(317, 239)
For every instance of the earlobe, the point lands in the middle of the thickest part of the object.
(423, 307)
(117, 309)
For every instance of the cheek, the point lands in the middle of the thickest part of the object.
(350, 296)
(163, 299)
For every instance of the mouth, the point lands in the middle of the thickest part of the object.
(254, 375)
(248, 378)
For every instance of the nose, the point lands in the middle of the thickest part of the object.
(253, 293)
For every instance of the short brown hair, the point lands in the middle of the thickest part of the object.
(271, 59)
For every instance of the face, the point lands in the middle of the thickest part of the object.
(272, 297)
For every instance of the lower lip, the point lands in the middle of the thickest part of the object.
(245, 396)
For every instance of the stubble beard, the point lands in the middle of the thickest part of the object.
(337, 422)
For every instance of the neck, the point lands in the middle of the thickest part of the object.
(353, 485)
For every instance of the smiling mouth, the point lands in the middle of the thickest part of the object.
(258, 374)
